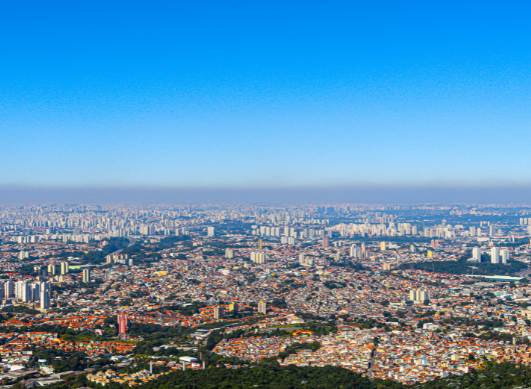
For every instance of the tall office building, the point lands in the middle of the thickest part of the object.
(64, 267)
(86, 275)
(476, 254)
(495, 255)
(262, 307)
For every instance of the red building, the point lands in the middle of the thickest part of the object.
(122, 323)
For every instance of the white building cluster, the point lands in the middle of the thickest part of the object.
(28, 292)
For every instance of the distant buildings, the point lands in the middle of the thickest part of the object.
(233, 307)
(262, 307)
(354, 252)
(122, 324)
(419, 295)
(45, 295)
(117, 258)
(218, 312)
(86, 275)
(495, 255)
(476, 254)
(504, 256)
(258, 257)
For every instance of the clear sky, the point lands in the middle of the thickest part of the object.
(265, 93)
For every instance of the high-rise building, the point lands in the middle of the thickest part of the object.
(476, 254)
(258, 257)
(45, 295)
(504, 256)
(495, 255)
(419, 295)
(233, 307)
(122, 323)
(492, 230)
(354, 251)
(302, 260)
(9, 289)
(472, 231)
(64, 267)
(26, 295)
(23, 255)
(51, 269)
(210, 231)
(36, 291)
(262, 307)
(326, 241)
(218, 312)
(259, 244)
(86, 275)
(382, 246)
(19, 287)
(229, 253)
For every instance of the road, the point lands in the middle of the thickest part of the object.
(372, 361)
(524, 273)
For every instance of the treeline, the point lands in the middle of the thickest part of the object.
(463, 267)
(495, 376)
(269, 375)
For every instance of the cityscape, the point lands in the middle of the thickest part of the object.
(265, 195)
(131, 294)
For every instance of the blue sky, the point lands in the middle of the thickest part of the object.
(264, 94)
